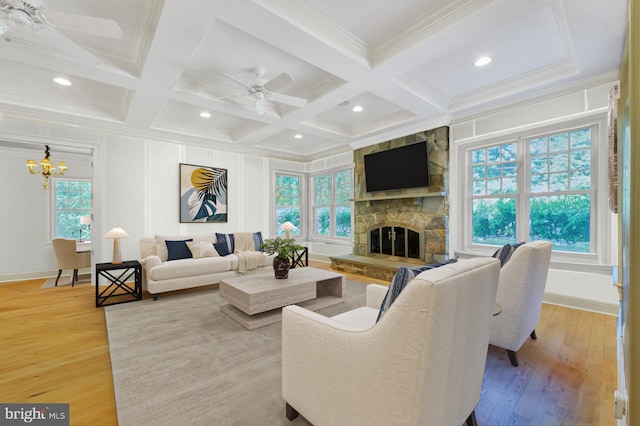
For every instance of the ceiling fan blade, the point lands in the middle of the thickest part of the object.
(85, 24)
(69, 48)
(251, 89)
(289, 100)
(278, 82)
(225, 98)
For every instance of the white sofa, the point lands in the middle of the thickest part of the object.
(161, 275)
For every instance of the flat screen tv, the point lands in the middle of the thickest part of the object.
(397, 168)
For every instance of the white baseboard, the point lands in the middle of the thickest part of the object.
(26, 276)
(581, 303)
(23, 276)
(319, 258)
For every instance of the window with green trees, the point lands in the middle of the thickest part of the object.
(332, 205)
(549, 198)
(71, 201)
(288, 193)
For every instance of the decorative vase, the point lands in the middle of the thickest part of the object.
(281, 267)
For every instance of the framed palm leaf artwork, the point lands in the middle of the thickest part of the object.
(203, 194)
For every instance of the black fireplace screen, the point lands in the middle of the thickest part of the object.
(395, 241)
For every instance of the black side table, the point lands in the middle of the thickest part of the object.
(300, 258)
(118, 290)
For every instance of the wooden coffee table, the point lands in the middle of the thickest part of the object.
(256, 300)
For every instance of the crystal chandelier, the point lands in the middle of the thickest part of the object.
(47, 168)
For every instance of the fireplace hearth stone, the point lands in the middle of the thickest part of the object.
(373, 267)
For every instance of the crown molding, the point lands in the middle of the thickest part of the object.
(425, 26)
(525, 100)
(14, 99)
(516, 84)
(423, 91)
(319, 25)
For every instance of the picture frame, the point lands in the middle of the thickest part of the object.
(612, 157)
(203, 194)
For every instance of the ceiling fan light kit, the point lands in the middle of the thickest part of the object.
(31, 13)
(264, 91)
(23, 13)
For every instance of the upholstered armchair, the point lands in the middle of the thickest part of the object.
(422, 363)
(68, 258)
(520, 293)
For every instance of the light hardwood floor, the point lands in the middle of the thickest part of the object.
(55, 349)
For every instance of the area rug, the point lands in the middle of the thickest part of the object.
(180, 361)
(66, 280)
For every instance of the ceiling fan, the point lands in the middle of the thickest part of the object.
(35, 15)
(266, 90)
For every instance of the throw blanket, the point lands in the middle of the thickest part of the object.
(245, 247)
(243, 241)
(401, 279)
(248, 260)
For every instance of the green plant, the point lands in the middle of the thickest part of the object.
(284, 247)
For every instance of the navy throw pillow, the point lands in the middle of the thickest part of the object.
(401, 279)
(505, 252)
(178, 249)
(228, 240)
(257, 240)
(222, 249)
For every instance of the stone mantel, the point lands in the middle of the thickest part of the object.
(400, 196)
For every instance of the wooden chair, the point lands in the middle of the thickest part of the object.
(69, 258)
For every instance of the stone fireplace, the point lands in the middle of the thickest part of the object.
(400, 227)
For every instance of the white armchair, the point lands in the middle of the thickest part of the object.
(68, 257)
(421, 364)
(520, 293)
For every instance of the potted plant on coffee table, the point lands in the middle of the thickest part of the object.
(285, 249)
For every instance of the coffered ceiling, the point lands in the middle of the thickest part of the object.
(408, 63)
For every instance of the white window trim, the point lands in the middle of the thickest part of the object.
(600, 258)
(312, 236)
(303, 196)
(51, 210)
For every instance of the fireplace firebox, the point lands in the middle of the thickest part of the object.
(395, 241)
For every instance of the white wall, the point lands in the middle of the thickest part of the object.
(138, 190)
(566, 284)
(24, 246)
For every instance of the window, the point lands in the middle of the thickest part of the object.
(71, 200)
(332, 205)
(535, 188)
(494, 186)
(288, 191)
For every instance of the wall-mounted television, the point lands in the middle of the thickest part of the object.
(397, 168)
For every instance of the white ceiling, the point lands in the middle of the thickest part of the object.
(408, 63)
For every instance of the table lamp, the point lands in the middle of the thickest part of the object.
(85, 220)
(288, 226)
(115, 234)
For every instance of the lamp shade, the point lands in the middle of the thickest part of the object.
(288, 227)
(85, 220)
(115, 234)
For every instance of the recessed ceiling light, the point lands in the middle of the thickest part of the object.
(482, 61)
(205, 114)
(298, 136)
(357, 108)
(62, 81)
